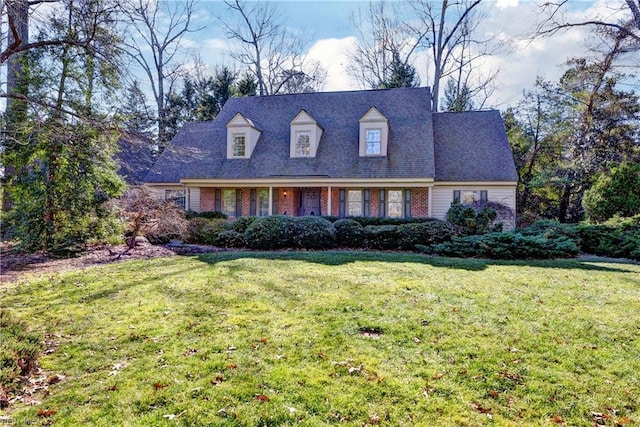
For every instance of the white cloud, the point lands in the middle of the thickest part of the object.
(332, 55)
(503, 4)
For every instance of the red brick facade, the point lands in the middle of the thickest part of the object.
(287, 198)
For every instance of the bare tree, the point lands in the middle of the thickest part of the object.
(157, 29)
(386, 44)
(454, 47)
(445, 30)
(272, 54)
(623, 18)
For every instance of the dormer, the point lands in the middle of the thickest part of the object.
(305, 135)
(374, 134)
(242, 136)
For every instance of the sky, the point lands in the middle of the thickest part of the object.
(329, 34)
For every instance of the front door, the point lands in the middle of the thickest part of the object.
(309, 202)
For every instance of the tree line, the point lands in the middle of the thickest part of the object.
(83, 74)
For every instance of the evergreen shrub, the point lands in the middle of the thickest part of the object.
(271, 232)
(383, 237)
(349, 233)
(425, 233)
(313, 232)
(510, 245)
(204, 231)
(230, 239)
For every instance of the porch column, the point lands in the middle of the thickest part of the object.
(329, 201)
(429, 199)
(270, 200)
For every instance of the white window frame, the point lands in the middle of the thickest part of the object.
(227, 209)
(373, 120)
(373, 143)
(307, 151)
(354, 202)
(236, 137)
(389, 203)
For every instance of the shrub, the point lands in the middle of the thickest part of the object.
(616, 193)
(473, 218)
(230, 239)
(271, 232)
(242, 223)
(204, 231)
(313, 232)
(382, 237)
(19, 351)
(349, 233)
(610, 241)
(205, 214)
(510, 245)
(551, 229)
(425, 233)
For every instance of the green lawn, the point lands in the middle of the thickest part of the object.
(329, 338)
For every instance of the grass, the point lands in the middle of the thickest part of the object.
(266, 339)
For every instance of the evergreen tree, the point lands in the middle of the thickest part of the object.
(63, 153)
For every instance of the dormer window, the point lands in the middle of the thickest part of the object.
(303, 144)
(242, 137)
(305, 135)
(374, 133)
(373, 142)
(239, 145)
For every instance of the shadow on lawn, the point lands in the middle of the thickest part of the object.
(346, 257)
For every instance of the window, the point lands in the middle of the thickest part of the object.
(263, 202)
(354, 203)
(303, 144)
(228, 203)
(175, 196)
(394, 204)
(373, 142)
(239, 148)
(470, 196)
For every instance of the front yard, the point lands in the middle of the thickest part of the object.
(326, 338)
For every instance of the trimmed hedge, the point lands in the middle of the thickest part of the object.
(313, 232)
(349, 233)
(509, 246)
(425, 233)
(383, 237)
(230, 239)
(205, 214)
(242, 223)
(204, 231)
(271, 232)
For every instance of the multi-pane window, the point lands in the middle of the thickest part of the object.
(228, 202)
(175, 196)
(303, 144)
(394, 203)
(263, 201)
(470, 196)
(239, 147)
(354, 203)
(373, 142)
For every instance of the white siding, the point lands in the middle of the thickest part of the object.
(194, 199)
(442, 197)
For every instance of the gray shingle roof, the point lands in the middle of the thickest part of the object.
(469, 146)
(134, 158)
(199, 149)
(472, 146)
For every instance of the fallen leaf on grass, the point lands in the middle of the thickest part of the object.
(218, 380)
(173, 416)
(112, 388)
(374, 419)
(480, 408)
(494, 394)
(262, 398)
(54, 379)
(232, 366)
(159, 386)
(557, 419)
(622, 421)
(438, 375)
(47, 412)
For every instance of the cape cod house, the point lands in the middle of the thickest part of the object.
(359, 153)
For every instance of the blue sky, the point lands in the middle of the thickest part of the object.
(329, 34)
